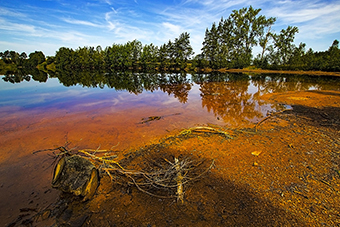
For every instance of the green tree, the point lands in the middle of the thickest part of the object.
(231, 42)
(248, 28)
(284, 47)
(149, 56)
(182, 49)
(36, 58)
(211, 46)
(261, 60)
(64, 58)
(98, 57)
(134, 52)
(164, 56)
(310, 60)
(10, 57)
(297, 60)
(334, 57)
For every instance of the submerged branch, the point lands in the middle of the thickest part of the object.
(269, 116)
(204, 129)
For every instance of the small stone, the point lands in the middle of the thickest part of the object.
(45, 215)
(256, 153)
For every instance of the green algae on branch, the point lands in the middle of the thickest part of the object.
(205, 130)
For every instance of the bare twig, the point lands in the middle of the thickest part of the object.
(269, 116)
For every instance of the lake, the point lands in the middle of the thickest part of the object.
(120, 111)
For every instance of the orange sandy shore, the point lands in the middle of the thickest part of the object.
(317, 73)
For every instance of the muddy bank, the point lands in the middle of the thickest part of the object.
(266, 71)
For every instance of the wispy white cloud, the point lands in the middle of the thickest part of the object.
(176, 29)
(316, 20)
(10, 12)
(16, 27)
(107, 2)
(321, 26)
(81, 22)
(303, 11)
(26, 30)
(116, 22)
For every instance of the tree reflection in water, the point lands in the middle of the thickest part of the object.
(230, 99)
(227, 96)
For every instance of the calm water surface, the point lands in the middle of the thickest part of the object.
(111, 110)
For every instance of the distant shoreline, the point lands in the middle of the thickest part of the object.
(299, 72)
(13, 67)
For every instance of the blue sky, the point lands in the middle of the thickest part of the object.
(47, 25)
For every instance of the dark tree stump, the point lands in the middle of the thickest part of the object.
(77, 175)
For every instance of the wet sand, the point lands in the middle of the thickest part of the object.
(266, 71)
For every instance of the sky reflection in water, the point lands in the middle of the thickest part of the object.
(206, 98)
(227, 99)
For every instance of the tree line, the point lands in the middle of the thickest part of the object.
(22, 60)
(228, 44)
(132, 55)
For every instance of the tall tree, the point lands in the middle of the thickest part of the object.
(297, 60)
(284, 46)
(334, 57)
(248, 27)
(36, 58)
(149, 56)
(182, 49)
(64, 58)
(211, 46)
(235, 37)
(134, 50)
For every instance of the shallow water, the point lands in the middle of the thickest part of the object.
(90, 110)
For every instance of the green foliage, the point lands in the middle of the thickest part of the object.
(132, 55)
(325, 60)
(230, 43)
(283, 48)
(64, 58)
(35, 59)
(149, 57)
(12, 57)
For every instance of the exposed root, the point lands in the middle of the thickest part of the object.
(179, 179)
(166, 182)
(103, 159)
